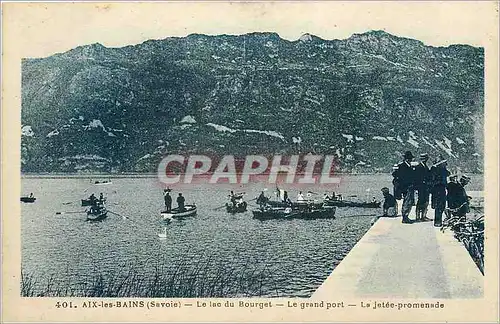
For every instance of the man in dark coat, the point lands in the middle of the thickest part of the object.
(395, 182)
(168, 200)
(406, 179)
(457, 197)
(422, 185)
(180, 202)
(439, 174)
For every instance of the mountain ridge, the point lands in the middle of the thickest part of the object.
(245, 91)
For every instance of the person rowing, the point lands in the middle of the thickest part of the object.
(262, 199)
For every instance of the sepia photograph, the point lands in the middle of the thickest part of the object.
(273, 159)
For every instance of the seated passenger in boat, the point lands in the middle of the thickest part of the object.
(262, 199)
(300, 197)
(232, 197)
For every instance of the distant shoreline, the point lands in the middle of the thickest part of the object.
(97, 176)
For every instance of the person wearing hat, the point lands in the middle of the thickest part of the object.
(422, 184)
(439, 174)
(458, 199)
(406, 180)
(168, 199)
(389, 208)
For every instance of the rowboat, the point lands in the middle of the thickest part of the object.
(94, 215)
(28, 199)
(296, 204)
(347, 203)
(289, 213)
(88, 202)
(105, 182)
(240, 207)
(188, 211)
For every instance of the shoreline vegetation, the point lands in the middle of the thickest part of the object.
(203, 279)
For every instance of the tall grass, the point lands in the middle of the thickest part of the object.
(204, 278)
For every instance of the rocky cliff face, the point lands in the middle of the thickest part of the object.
(365, 99)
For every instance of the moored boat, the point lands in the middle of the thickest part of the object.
(105, 182)
(295, 204)
(188, 211)
(28, 199)
(290, 213)
(97, 214)
(347, 203)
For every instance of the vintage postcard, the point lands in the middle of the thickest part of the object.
(250, 161)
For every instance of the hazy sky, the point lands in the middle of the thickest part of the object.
(42, 29)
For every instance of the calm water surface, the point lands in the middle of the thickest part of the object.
(299, 254)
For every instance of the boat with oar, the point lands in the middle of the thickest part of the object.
(88, 202)
(239, 207)
(290, 213)
(187, 211)
(98, 213)
(347, 203)
(28, 199)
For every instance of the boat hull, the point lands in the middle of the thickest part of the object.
(189, 211)
(96, 217)
(295, 204)
(28, 199)
(101, 183)
(287, 213)
(346, 203)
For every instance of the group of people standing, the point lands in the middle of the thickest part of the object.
(168, 200)
(428, 181)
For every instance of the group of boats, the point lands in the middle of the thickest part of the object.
(282, 208)
(276, 209)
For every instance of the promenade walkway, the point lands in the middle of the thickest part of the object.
(395, 260)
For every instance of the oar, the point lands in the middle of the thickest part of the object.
(70, 212)
(124, 217)
(220, 207)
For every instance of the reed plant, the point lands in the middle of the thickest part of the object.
(202, 278)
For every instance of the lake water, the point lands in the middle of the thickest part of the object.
(286, 258)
